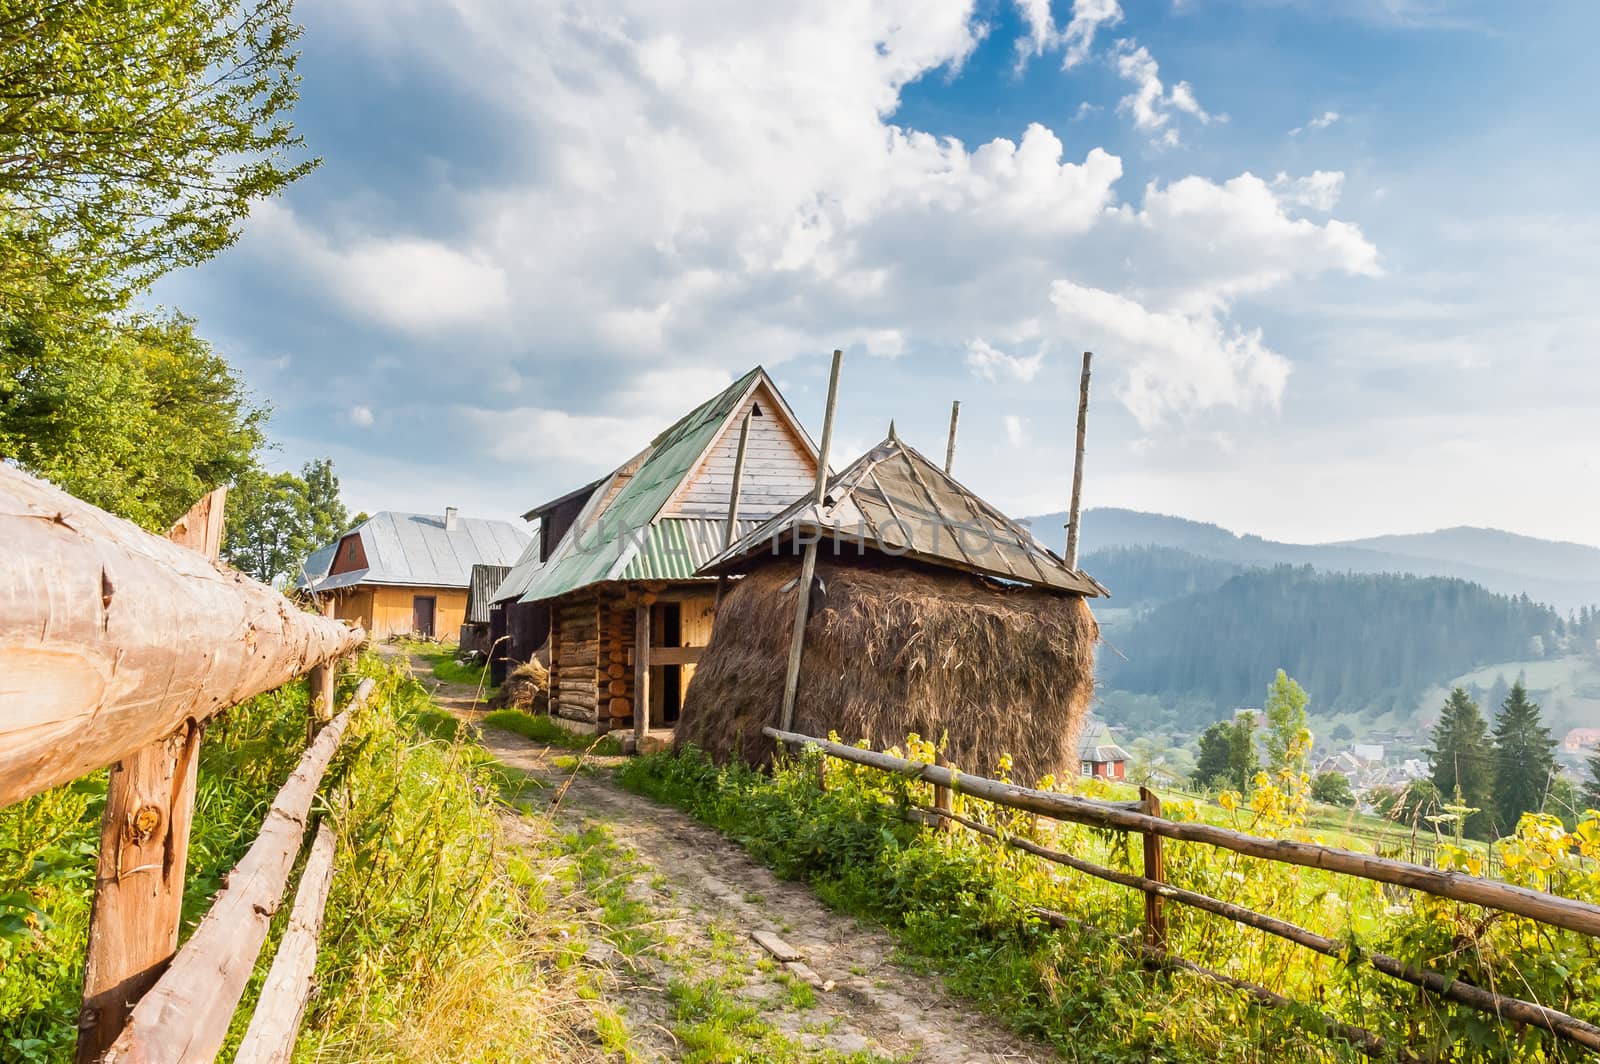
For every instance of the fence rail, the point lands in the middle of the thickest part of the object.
(1144, 819)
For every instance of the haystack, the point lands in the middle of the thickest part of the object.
(895, 649)
(527, 688)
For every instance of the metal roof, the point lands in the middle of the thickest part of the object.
(1097, 745)
(317, 564)
(678, 546)
(608, 536)
(894, 500)
(417, 550)
(485, 578)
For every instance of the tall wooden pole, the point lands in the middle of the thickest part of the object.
(950, 448)
(732, 532)
(1077, 465)
(808, 564)
(641, 675)
(144, 850)
(323, 677)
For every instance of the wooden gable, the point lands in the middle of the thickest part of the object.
(779, 465)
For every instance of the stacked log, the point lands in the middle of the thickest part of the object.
(617, 678)
(577, 694)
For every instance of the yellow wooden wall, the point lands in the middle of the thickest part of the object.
(387, 611)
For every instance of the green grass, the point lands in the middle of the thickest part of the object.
(542, 729)
(441, 659)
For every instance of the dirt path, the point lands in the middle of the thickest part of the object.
(697, 898)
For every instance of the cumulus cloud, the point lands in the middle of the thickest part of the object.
(1320, 191)
(361, 416)
(990, 363)
(1076, 39)
(1322, 121)
(1151, 104)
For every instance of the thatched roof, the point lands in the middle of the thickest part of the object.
(895, 647)
(893, 501)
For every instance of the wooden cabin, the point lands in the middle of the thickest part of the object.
(408, 574)
(620, 555)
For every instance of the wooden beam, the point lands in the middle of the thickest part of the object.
(732, 531)
(276, 1022)
(1536, 905)
(808, 564)
(185, 1017)
(950, 447)
(112, 638)
(1077, 465)
(1155, 870)
(675, 655)
(144, 848)
(641, 676)
(324, 678)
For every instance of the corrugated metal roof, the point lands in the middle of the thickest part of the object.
(1097, 745)
(522, 573)
(316, 566)
(601, 547)
(485, 578)
(417, 550)
(896, 501)
(677, 546)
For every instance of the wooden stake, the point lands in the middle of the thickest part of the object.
(324, 677)
(941, 795)
(641, 676)
(1077, 465)
(808, 564)
(144, 850)
(950, 447)
(1155, 870)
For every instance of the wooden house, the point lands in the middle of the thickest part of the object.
(614, 562)
(408, 574)
(1098, 753)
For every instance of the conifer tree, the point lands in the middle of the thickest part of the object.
(1243, 764)
(1461, 757)
(1591, 789)
(1524, 759)
(1212, 768)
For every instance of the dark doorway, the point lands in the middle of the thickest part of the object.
(667, 684)
(422, 615)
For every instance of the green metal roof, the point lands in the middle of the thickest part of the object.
(677, 546)
(601, 548)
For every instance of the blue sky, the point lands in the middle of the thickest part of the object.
(1336, 261)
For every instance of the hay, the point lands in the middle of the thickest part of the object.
(527, 688)
(895, 650)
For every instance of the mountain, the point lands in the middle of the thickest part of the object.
(1564, 575)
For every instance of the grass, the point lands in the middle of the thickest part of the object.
(542, 729)
(441, 659)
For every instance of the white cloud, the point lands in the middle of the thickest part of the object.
(990, 363)
(1018, 430)
(1320, 191)
(361, 416)
(1322, 121)
(1151, 104)
(1076, 39)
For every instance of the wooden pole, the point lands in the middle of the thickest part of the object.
(282, 1005)
(1552, 909)
(1077, 465)
(641, 676)
(323, 678)
(808, 563)
(950, 447)
(144, 849)
(1155, 870)
(112, 638)
(732, 532)
(185, 1016)
(942, 799)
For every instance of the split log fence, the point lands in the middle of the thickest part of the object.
(1144, 818)
(116, 647)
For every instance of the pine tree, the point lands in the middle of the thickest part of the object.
(1524, 759)
(1211, 769)
(1243, 763)
(1461, 756)
(1591, 789)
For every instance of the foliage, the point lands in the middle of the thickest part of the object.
(1333, 788)
(134, 135)
(1462, 759)
(140, 418)
(964, 908)
(1591, 786)
(542, 729)
(1242, 761)
(1212, 766)
(1410, 805)
(276, 519)
(1287, 740)
(1524, 759)
(1148, 575)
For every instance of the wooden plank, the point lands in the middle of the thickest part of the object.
(1536, 905)
(112, 638)
(731, 530)
(276, 1022)
(780, 950)
(185, 1016)
(1155, 870)
(641, 675)
(675, 655)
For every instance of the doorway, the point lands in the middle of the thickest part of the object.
(666, 685)
(422, 607)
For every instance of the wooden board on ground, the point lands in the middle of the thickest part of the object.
(780, 950)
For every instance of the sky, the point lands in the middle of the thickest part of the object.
(1335, 260)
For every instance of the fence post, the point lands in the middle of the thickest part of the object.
(1155, 917)
(323, 677)
(144, 851)
(941, 795)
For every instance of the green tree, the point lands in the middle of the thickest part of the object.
(1410, 805)
(1243, 764)
(1461, 756)
(1332, 788)
(141, 418)
(276, 519)
(1591, 786)
(134, 134)
(1341, 733)
(1524, 759)
(1288, 741)
(1212, 767)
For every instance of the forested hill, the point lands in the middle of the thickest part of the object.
(1357, 641)
(1566, 575)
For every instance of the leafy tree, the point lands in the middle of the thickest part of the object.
(276, 519)
(1243, 764)
(1332, 788)
(1461, 757)
(1591, 786)
(1288, 742)
(1524, 759)
(141, 418)
(1212, 767)
(134, 134)
(1341, 733)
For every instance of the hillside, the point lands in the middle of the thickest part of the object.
(1564, 575)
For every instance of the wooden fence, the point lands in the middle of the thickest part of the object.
(116, 646)
(1144, 818)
